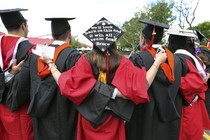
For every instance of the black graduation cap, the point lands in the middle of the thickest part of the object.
(103, 34)
(12, 18)
(153, 28)
(201, 36)
(59, 25)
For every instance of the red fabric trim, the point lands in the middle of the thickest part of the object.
(8, 44)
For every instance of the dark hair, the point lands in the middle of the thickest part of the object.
(181, 42)
(61, 36)
(16, 27)
(96, 57)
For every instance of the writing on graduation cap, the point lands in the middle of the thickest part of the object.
(103, 34)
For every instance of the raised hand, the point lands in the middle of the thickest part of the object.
(16, 67)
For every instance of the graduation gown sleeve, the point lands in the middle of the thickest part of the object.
(89, 95)
(77, 82)
(131, 81)
(80, 79)
(192, 81)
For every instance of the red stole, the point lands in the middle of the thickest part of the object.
(43, 68)
(8, 49)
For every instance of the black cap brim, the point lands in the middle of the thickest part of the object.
(12, 10)
(51, 19)
(59, 25)
(153, 23)
(153, 29)
(12, 18)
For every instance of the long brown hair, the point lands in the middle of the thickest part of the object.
(98, 58)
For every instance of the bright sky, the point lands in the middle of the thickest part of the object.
(87, 13)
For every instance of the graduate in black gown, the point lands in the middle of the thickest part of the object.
(54, 117)
(14, 48)
(158, 119)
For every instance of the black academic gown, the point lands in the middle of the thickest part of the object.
(54, 117)
(160, 118)
(8, 92)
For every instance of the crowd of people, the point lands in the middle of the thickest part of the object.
(158, 93)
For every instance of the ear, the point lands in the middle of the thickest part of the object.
(69, 36)
(23, 26)
(143, 40)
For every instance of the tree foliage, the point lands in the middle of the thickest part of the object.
(75, 43)
(131, 28)
(204, 29)
(160, 11)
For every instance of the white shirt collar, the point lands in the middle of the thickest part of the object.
(156, 46)
(58, 42)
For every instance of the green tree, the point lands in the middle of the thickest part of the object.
(204, 29)
(160, 11)
(131, 28)
(75, 43)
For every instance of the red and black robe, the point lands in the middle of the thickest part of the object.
(13, 125)
(158, 119)
(100, 116)
(53, 116)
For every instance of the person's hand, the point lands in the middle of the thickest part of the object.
(16, 67)
(207, 77)
(131, 53)
(45, 58)
(194, 100)
(160, 57)
(119, 94)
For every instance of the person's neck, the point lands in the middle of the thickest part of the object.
(16, 33)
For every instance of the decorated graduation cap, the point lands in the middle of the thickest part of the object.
(181, 32)
(153, 30)
(103, 34)
(59, 25)
(179, 38)
(12, 18)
